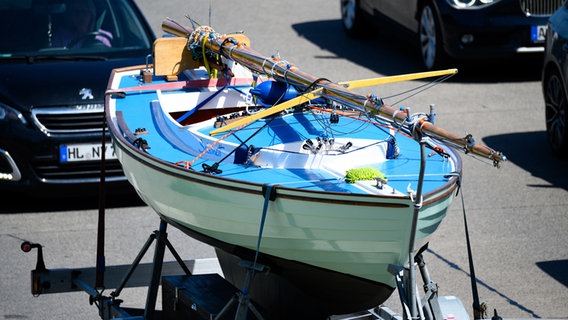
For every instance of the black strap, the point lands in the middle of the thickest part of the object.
(478, 308)
(100, 263)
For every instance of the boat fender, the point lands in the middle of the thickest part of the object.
(241, 154)
(392, 148)
(269, 93)
(244, 154)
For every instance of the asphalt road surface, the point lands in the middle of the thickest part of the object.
(517, 215)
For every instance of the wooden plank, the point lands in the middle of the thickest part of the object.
(171, 57)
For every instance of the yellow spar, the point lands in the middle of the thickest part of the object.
(398, 78)
(316, 93)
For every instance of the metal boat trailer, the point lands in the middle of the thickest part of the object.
(195, 289)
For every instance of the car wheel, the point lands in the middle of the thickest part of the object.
(352, 18)
(556, 113)
(430, 38)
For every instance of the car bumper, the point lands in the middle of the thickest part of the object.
(33, 166)
(496, 31)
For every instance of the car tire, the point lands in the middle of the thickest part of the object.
(556, 113)
(430, 38)
(352, 18)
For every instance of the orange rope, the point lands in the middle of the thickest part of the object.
(188, 163)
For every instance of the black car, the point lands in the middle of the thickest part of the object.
(555, 81)
(53, 77)
(459, 29)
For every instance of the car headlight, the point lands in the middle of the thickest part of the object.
(11, 114)
(470, 4)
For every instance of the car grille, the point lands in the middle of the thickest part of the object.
(72, 120)
(80, 172)
(540, 7)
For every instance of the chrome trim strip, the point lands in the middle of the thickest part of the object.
(530, 49)
(15, 175)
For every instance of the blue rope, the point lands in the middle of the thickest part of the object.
(251, 271)
(191, 111)
(264, 210)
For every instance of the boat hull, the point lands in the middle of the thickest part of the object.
(334, 249)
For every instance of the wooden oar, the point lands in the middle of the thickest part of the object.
(390, 79)
(270, 111)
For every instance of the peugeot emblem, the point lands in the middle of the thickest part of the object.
(86, 94)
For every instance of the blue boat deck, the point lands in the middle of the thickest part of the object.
(180, 144)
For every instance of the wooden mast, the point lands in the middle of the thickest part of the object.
(284, 71)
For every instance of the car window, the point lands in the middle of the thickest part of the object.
(52, 27)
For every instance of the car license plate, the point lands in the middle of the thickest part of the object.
(85, 152)
(538, 33)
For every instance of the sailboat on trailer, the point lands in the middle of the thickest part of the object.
(322, 186)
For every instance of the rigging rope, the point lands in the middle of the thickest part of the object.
(377, 124)
(420, 89)
(189, 163)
